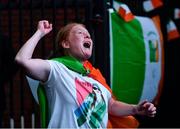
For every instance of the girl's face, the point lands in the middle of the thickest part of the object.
(79, 43)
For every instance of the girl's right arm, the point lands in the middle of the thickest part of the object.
(36, 68)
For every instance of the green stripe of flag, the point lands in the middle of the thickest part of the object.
(128, 59)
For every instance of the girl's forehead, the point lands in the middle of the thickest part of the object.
(78, 27)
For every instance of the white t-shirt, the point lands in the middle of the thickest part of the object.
(75, 101)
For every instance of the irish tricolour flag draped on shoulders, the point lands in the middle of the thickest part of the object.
(135, 56)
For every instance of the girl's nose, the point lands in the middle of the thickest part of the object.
(86, 35)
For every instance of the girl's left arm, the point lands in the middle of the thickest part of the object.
(119, 108)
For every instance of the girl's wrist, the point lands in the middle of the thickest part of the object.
(40, 33)
(134, 109)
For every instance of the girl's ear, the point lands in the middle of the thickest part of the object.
(65, 44)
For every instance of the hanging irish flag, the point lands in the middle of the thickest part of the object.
(176, 13)
(150, 5)
(172, 31)
(123, 11)
(135, 58)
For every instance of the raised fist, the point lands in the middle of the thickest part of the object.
(44, 26)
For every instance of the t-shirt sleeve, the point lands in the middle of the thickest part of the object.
(55, 70)
(109, 95)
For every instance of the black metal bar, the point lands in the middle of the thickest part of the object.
(31, 17)
(88, 13)
(65, 12)
(102, 44)
(76, 3)
(31, 33)
(11, 104)
(105, 43)
(54, 25)
(42, 17)
(0, 22)
(88, 22)
(21, 72)
(1, 82)
(111, 3)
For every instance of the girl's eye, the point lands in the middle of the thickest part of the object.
(80, 32)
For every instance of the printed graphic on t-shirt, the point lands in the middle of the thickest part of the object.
(91, 104)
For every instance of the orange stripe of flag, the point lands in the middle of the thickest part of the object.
(156, 3)
(173, 34)
(126, 16)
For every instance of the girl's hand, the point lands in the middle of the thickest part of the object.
(145, 108)
(44, 27)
